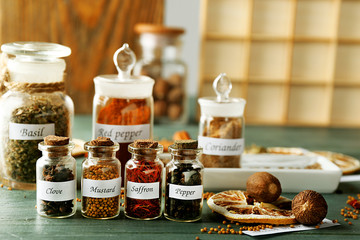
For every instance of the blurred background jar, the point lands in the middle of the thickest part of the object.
(160, 60)
(33, 106)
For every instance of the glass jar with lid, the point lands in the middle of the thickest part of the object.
(100, 180)
(184, 182)
(123, 105)
(56, 178)
(221, 127)
(143, 180)
(34, 105)
(160, 59)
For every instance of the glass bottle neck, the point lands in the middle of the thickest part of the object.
(102, 155)
(143, 157)
(162, 47)
(61, 154)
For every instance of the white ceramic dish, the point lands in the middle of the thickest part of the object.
(323, 180)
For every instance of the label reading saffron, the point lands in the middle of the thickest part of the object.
(101, 188)
(56, 191)
(18, 131)
(122, 133)
(221, 147)
(143, 190)
(185, 192)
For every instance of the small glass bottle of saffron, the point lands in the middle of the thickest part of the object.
(56, 178)
(100, 180)
(143, 181)
(184, 182)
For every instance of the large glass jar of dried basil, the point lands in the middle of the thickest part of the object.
(221, 127)
(33, 106)
(56, 178)
(184, 182)
(100, 180)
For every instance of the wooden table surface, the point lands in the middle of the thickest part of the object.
(19, 220)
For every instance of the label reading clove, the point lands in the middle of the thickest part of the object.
(56, 191)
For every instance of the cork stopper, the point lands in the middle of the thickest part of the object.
(53, 140)
(102, 141)
(185, 144)
(145, 143)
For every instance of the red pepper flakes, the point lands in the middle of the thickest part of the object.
(354, 203)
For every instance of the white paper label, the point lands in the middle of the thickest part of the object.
(143, 190)
(56, 191)
(221, 147)
(185, 192)
(297, 227)
(101, 188)
(122, 133)
(18, 131)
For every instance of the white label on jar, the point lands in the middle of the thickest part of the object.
(143, 190)
(56, 191)
(185, 192)
(101, 188)
(122, 133)
(221, 147)
(18, 131)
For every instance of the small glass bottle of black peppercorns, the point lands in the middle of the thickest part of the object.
(184, 182)
(56, 178)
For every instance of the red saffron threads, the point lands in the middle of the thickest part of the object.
(144, 171)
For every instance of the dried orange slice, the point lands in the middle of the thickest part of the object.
(236, 206)
(346, 163)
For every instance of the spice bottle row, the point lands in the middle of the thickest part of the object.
(101, 181)
(35, 105)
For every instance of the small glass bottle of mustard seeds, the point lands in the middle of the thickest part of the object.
(184, 182)
(143, 181)
(221, 127)
(100, 180)
(56, 178)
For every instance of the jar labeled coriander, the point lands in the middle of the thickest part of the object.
(221, 127)
(33, 106)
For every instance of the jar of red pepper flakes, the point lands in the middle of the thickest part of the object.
(123, 105)
(143, 181)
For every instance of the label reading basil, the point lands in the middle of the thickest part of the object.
(101, 188)
(143, 190)
(122, 133)
(56, 191)
(18, 131)
(185, 192)
(221, 147)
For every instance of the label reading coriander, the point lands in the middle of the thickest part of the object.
(56, 191)
(122, 133)
(185, 192)
(18, 131)
(143, 190)
(221, 147)
(101, 188)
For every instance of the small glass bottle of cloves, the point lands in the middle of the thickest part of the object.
(184, 182)
(101, 180)
(56, 178)
(143, 181)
